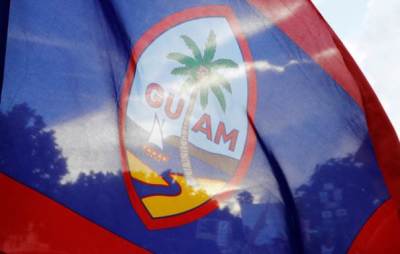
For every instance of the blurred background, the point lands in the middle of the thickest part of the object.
(370, 29)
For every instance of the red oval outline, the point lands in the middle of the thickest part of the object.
(146, 39)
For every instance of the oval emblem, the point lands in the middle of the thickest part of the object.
(185, 134)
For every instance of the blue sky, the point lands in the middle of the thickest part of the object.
(371, 32)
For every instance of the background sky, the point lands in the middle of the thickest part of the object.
(370, 29)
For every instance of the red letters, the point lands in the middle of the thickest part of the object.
(154, 95)
(204, 125)
(231, 137)
(179, 108)
(155, 98)
(204, 120)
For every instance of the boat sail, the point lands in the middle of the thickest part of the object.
(156, 135)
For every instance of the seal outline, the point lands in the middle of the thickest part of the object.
(145, 40)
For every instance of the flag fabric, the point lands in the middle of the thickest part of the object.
(196, 126)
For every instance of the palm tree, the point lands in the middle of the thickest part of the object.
(201, 72)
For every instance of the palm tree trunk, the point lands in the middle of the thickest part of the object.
(184, 140)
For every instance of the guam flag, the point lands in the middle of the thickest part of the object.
(195, 126)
